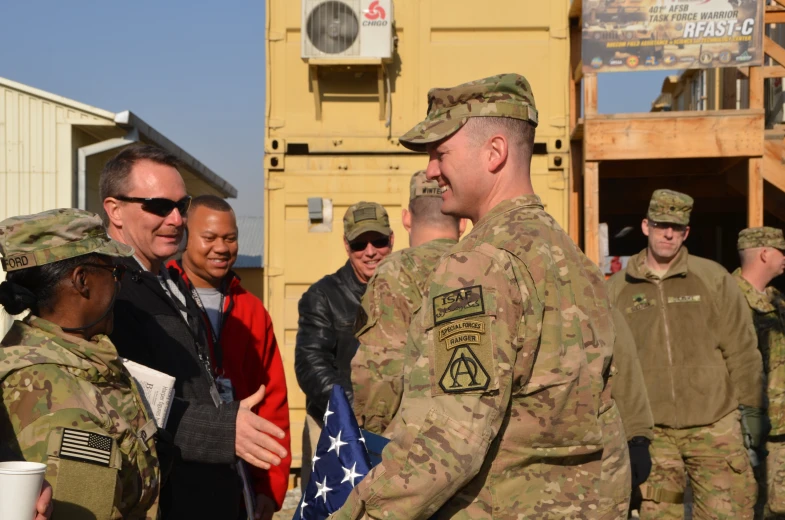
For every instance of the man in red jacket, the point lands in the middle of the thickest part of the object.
(245, 353)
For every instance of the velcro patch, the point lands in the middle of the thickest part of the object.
(16, 262)
(684, 299)
(463, 357)
(462, 339)
(461, 326)
(86, 447)
(639, 306)
(364, 214)
(459, 303)
(464, 372)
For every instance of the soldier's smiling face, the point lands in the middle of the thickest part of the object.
(454, 163)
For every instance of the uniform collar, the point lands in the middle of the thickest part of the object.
(100, 353)
(758, 301)
(637, 268)
(524, 201)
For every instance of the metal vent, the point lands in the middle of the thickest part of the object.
(333, 28)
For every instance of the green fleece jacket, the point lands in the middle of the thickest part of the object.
(695, 339)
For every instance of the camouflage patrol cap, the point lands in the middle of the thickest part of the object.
(420, 186)
(670, 206)
(503, 95)
(54, 235)
(363, 217)
(760, 237)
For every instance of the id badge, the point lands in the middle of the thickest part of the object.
(225, 389)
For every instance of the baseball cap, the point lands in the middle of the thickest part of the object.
(363, 217)
(761, 237)
(420, 186)
(503, 95)
(670, 206)
(54, 235)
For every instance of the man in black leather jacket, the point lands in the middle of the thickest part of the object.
(325, 337)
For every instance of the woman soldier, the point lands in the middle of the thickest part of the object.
(68, 402)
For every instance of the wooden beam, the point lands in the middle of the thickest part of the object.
(591, 211)
(576, 9)
(674, 135)
(773, 71)
(754, 193)
(590, 94)
(773, 167)
(775, 17)
(780, 2)
(774, 50)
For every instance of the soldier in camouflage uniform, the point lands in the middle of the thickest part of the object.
(69, 401)
(506, 411)
(697, 349)
(762, 259)
(394, 294)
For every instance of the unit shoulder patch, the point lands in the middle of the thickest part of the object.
(464, 372)
(463, 357)
(460, 303)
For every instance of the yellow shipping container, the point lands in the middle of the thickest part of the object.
(333, 124)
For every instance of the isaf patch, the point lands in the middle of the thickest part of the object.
(460, 303)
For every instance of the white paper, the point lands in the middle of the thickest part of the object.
(157, 390)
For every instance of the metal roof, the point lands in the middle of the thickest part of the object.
(127, 120)
(251, 239)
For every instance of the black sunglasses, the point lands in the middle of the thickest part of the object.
(360, 245)
(118, 270)
(679, 228)
(160, 207)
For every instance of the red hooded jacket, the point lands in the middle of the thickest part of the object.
(251, 358)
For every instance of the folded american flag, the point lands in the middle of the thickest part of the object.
(339, 462)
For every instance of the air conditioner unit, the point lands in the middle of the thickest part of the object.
(347, 29)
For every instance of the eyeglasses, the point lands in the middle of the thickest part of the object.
(378, 243)
(158, 206)
(118, 270)
(678, 228)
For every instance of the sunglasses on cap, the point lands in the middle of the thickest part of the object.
(158, 206)
(360, 245)
(118, 270)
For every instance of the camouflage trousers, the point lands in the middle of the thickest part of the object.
(718, 467)
(774, 487)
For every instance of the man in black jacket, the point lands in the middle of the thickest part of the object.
(157, 324)
(325, 337)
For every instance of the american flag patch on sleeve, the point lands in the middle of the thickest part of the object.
(86, 447)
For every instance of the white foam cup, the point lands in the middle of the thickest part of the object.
(20, 486)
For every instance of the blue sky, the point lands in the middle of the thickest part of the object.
(192, 69)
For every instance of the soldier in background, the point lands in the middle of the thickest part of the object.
(393, 295)
(698, 351)
(506, 409)
(325, 343)
(70, 402)
(761, 251)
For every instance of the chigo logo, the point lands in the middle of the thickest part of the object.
(375, 15)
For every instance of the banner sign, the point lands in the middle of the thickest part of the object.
(633, 35)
